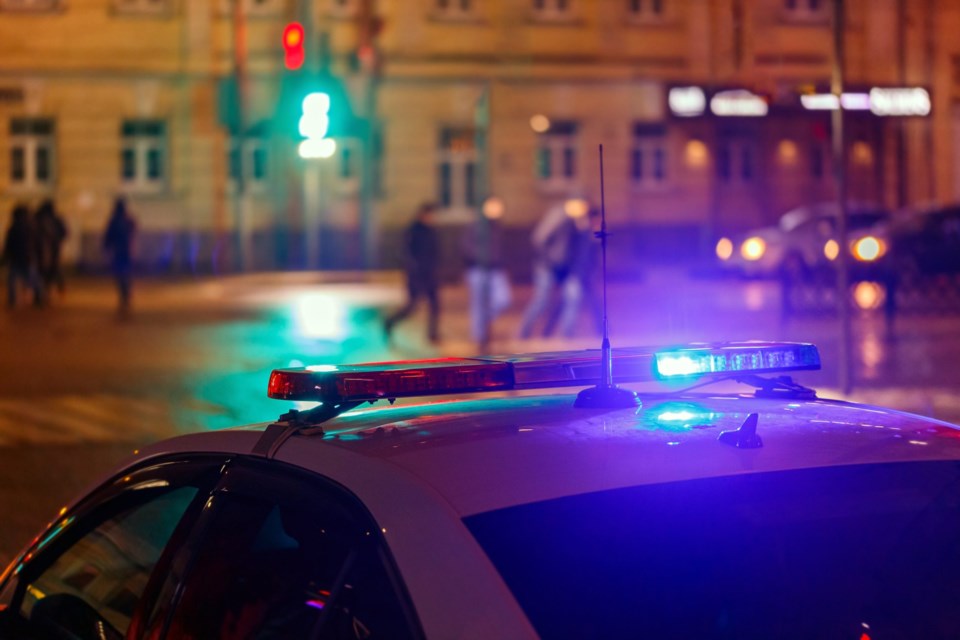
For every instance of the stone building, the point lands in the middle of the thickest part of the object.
(712, 115)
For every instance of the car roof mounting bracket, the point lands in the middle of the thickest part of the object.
(293, 422)
(778, 387)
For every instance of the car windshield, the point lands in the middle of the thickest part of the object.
(857, 218)
(866, 551)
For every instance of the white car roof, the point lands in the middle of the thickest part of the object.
(421, 468)
(487, 454)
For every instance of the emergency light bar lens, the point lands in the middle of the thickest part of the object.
(741, 358)
(373, 381)
(327, 383)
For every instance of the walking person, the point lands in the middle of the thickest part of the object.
(482, 248)
(577, 289)
(20, 257)
(553, 241)
(421, 258)
(118, 244)
(51, 231)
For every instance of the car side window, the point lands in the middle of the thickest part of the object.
(284, 556)
(87, 575)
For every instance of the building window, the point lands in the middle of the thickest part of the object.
(552, 9)
(142, 6)
(454, 9)
(348, 165)
(29, 5)
(457, 169)
(818, 155)
(254, 161)
(648, 156)
(31, 153)
(143, 155)
(254, 7)
(557, 155)
(736, 162)
(343, 8)
(644, 10)
(802, 10)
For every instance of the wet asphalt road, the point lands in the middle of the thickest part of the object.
(80, 387)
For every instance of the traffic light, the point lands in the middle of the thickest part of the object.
(314, 124)
(293, 53)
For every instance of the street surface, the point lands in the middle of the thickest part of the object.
(82, 387)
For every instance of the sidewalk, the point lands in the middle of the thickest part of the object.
(663, 307)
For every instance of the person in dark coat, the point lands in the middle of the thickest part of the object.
(118, 243)
(482, 249)
(19, 254)
(421, 258)
(51, 231)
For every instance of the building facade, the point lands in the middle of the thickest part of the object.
(713, 117)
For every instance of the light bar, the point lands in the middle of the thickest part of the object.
(738, 358)
(373, 381)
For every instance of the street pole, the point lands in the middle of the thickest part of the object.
(481, 194)
(840, 171)
(370, 64)
(241, 217)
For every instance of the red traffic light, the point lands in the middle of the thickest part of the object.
(293, 54)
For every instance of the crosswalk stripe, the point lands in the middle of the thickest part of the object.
(113, 414)
(72, 419)
(21, 422)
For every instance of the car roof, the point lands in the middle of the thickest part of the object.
(492, 453)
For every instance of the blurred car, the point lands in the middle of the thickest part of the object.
(804, 243)
(926, 243)
(716, 514)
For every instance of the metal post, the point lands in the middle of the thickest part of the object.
(241, 217)
(840, 171)
(369, 55)
(481, 193)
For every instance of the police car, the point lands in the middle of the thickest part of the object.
(689, 511)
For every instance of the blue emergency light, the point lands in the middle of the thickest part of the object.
(373, 381)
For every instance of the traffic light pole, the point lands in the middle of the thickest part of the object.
(840, 171)
(369, 58)
(241, 215)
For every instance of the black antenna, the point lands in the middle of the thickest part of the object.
(605, 395)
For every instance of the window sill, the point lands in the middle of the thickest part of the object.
(157, 192)
(30, 189)
(805, 19)
(556, 186)
(657, 22)
(663, 188)
(555, 21)
(457, 18)
(163, 13)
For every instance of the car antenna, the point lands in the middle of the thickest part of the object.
(605, 395)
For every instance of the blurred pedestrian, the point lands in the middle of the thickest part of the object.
(20, 257)
(578, 289)
(421, 257)
(482, 248)
(51, 231)
(118, 244)
(553, 244)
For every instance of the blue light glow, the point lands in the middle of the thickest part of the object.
(759, 357)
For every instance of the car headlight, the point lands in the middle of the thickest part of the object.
(868, 249)
(753, 248)
(724, 248)
(831, 249)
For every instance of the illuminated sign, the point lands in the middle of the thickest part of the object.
(687, 101)
(829, 102)
(738, 102)
(314, 122)
(908, 101)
